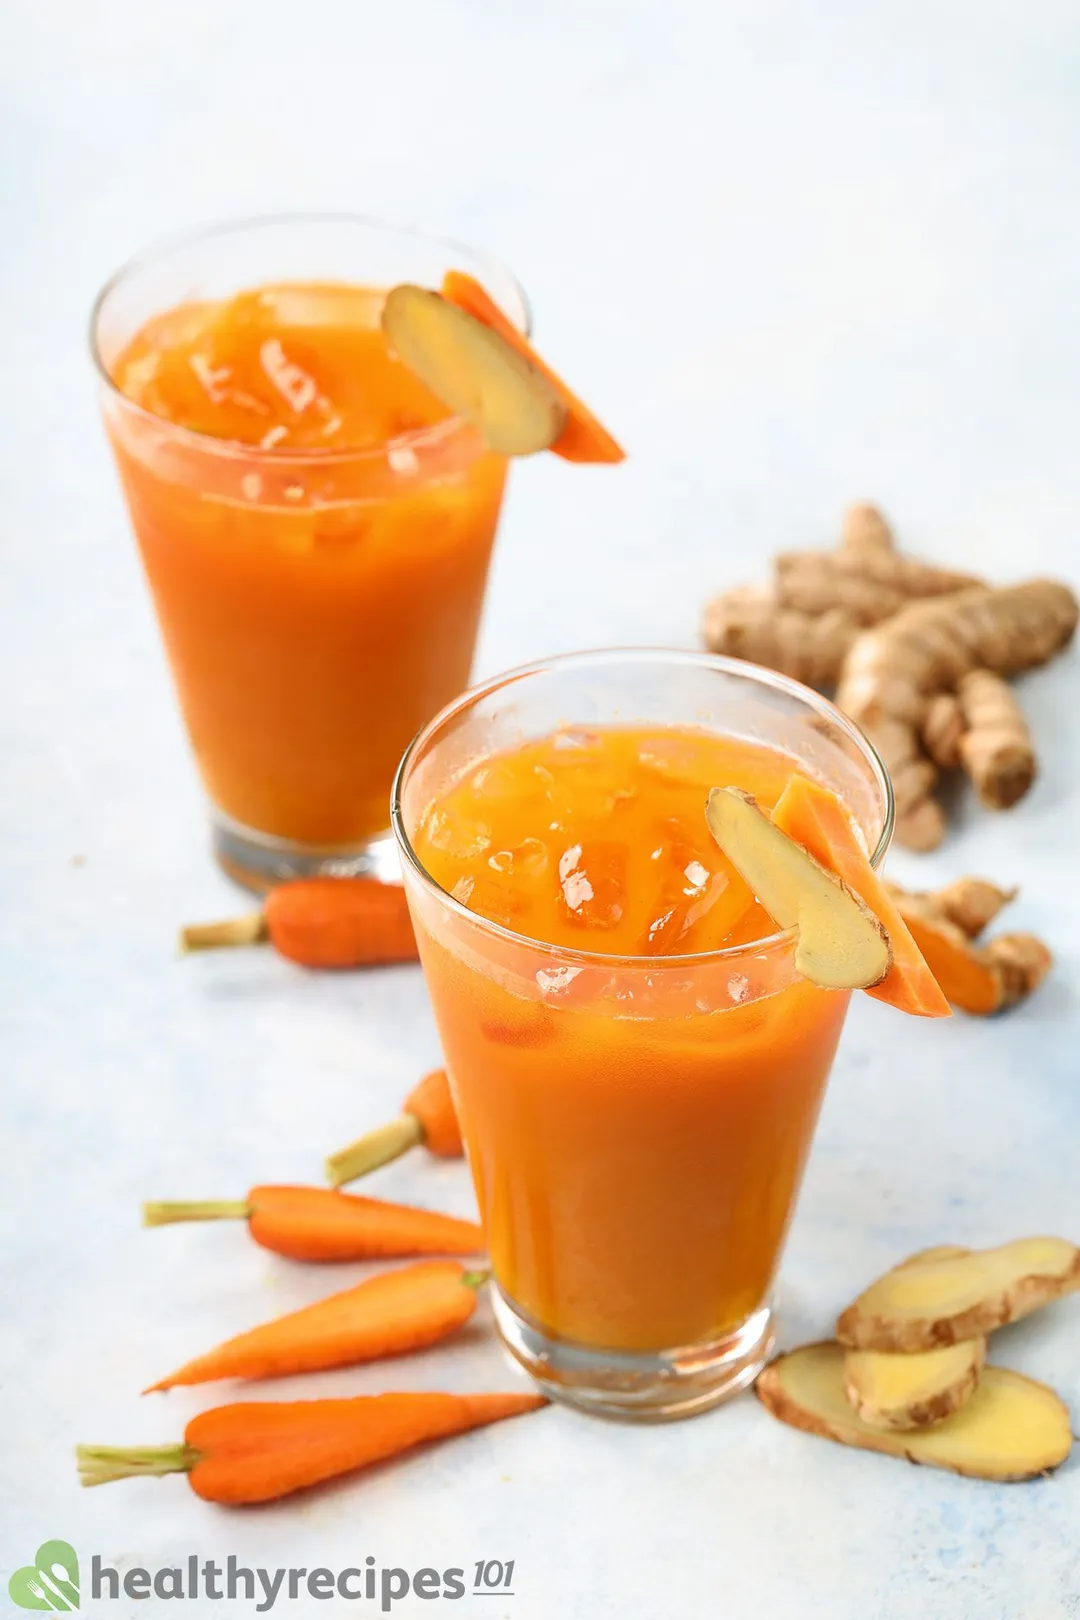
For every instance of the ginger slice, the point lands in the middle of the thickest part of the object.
(816, 819)
(925, 1303)
(841, 945)
(474, 371)
(1012, 1428)
(909, 1392)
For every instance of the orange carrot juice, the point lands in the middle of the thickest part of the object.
(637, 1067)
(316, 531)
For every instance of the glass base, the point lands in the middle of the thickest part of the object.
(257, 861)
(639, 1388)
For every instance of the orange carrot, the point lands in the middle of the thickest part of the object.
(317, 1223)
(427, 1116)
(815, 818)
(583, 438)
(321, 923)
(255, 1451)
(388, 1315)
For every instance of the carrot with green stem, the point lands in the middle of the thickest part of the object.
(256, 1451)
(427, 1115)
(319, 1223)
(321, 923)
(388, 1315)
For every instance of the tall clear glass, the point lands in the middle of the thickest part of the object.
(636, 1128)
(317, 605)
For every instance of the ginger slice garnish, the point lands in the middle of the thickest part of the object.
(474, 371)
(840, 944)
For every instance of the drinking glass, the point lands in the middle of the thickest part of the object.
(317, 605)
(636, 1127)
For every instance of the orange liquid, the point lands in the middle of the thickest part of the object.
(636, 1134)
(318, 577)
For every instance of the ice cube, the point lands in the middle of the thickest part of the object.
(458, 835)
(673, 759)
(528, 860)
(592, 882)
(689, 883)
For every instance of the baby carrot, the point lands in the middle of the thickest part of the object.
(388, 1315)
(318, 1223)
(254, 1451)
(583, 438)
(427, 1115)
(321, 923)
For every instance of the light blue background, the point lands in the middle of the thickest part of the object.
(796, 255)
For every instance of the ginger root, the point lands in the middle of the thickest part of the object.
(945, 925)
(1011, 1428)
(927, 1302)
(917, 656)
(840, 944)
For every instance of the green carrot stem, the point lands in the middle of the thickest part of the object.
(377, 1147)
(249, 930)
(100, 1464)
(475, 1279)
(220, 1209)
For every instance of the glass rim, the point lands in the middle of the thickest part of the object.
(756, 674)
(162, 246)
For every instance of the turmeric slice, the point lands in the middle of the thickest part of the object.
(925, 1303)
(1012, 1428)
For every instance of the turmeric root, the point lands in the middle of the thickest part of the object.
(995, 746)
(917, 656)
(804, 622)
(867, 582)
(1012, 1428)
(747, 622)
(925, 1302)
(942, 729)
(865, 528)
(981, 979)
(892, 671)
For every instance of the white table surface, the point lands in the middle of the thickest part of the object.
(795, 255)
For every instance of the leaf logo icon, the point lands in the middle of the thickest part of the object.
(51, 1582)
